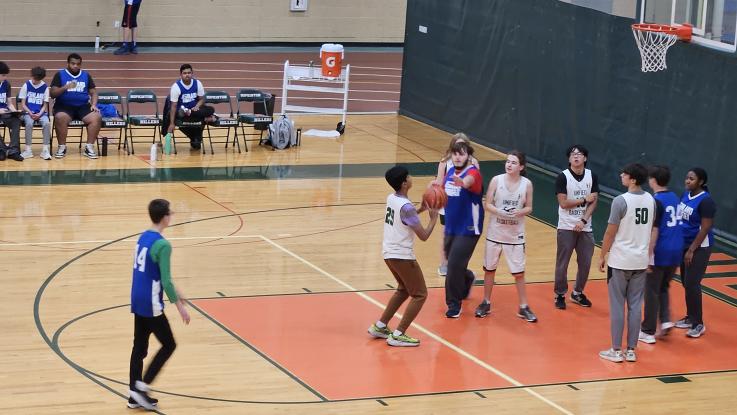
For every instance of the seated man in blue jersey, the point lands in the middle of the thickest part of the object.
(186, 103)
(75, 99)
(10, 117)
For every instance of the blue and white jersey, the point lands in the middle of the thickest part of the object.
(464, 214)
(187, 95)
(4, 92)
(80, 94)
(669, 247)
(35, 95)
(146, 292)
(689, 216)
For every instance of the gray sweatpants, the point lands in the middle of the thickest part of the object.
(583, 244)
(45, 128)
(626, 288)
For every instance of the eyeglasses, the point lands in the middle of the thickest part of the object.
(577, 153)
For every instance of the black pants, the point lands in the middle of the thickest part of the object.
(193, 133)
(459, 280)
(691, 277)
(657, 302)
(160, 328)
(13, 124)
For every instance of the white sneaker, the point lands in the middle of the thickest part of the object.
(630, 355)
(646, 338)
(45, 153)
(697, 331)
(612, 355)
(61, 151)
(27, 153)
(89, 151)
(665, 328)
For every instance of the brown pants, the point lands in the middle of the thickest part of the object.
(411, 283)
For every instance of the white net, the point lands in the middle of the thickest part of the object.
(653, 45)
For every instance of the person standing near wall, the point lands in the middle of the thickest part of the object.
(577, 190)
(627, 243)
(696, 212)
(130, 24)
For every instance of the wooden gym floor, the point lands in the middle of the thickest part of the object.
(280, 256)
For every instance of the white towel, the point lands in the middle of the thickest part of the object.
(322, 133)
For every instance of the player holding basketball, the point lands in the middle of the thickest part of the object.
(464, 218)
(151, 278)
(401, 224)
(508, 201)
(696, 215)
(627, 242)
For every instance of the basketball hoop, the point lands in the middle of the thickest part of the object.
(653, 40)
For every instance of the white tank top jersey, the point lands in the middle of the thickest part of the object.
(503, 229)
(568, 218)
(399, 239)
(630, 250)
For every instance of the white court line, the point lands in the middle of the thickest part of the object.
(427, 332)
(222, 70)
(102, 241)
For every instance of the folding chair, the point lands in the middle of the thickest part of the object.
(246, 118)
(73, 124)
(222, 99)
(113, 123)
(139, 121)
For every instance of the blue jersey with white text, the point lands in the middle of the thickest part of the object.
(77, 96)
(4, 92)
(35, 96)
(669, 247)
(690, 218)
(187, 96)
(464, 214)
(147, 296)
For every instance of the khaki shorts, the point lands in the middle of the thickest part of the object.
(514, 254)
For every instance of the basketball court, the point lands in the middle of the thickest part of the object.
(279, 256)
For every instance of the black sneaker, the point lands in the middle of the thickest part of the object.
(453, 312)
(3, 155)
(560, 302)
(527, 314)
(15, 155)
(142, 399)
(483, 310)
(195, 145)
(580, 299)
(132, 404)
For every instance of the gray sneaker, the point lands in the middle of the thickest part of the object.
(697, 331)
(527, 314)
(443, 270)
(630, 355)
(612, 355)
(483, 310)
(61, 151)
(684, 323)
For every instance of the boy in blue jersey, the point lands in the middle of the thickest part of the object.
(668, 239)
(152, 278)
(34, 100)
(187, 102)
(130, 23)
(75, 98)
(9, 117)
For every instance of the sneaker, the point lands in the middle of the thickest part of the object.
(27, 154)
(132, 404)
(630, 355)
(45, 154)
(140, 395)
(560, 302)
(402, 340)
(15, 155)
(443, 270)
(134, 50)
(580, 299)
(697, 331)
(527, 314)
(61, 151)
(612, 355)
(665, 328)
(3, 155)
(89, 151)
(123, 50)
(379, 333)
(483, 310)
(684, 323)
(453, 312)
(646, 338)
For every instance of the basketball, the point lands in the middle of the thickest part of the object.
(435, 197)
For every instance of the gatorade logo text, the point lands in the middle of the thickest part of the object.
(330, 61)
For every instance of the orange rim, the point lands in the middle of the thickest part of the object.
(652, 27)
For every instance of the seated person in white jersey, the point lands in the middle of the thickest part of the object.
(187, 103)
(9, 117)
(75, 99)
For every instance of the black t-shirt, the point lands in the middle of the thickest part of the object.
(707, 208)
(57, 81)
(561, 182)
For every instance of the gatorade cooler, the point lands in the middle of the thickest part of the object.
(331, 55)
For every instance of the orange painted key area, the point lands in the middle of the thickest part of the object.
(322, 340)
(720, 256)
(722, 285)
